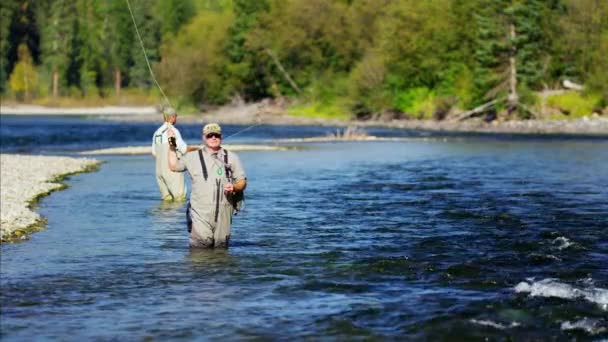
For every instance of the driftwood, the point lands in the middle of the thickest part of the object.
(477, 110)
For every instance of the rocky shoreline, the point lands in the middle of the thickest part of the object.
(263, 113)
(26, 178)
(259, 114)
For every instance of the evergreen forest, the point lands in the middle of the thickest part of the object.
(340, 58)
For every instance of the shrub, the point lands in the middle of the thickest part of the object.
(574, 104)
(417, 102)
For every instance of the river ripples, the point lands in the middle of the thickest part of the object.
(435, 240)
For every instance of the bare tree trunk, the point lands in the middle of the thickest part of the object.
(55, 82)
(513, 98)
(276, 61)
(117, 82)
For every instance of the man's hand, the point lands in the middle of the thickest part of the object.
(229, 188)
(171, 138)
(171, 157)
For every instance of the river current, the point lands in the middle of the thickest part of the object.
(437, 237)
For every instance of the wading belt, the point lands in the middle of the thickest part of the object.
(200, 156)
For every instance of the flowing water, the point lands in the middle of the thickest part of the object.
(466, 238)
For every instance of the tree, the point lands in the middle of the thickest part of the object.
(174, 14)
(243, 73)
(149, 29)
(191, 63)
(24, 78)
(7, 9)
(56, 20)
(584, 43)
(22, 29)
(307, 39)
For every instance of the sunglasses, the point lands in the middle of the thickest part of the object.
(213, 135)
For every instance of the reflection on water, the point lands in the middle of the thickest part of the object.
(215, 258)
(412, 240)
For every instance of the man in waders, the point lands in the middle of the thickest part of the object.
(171, 184)
(218, 182)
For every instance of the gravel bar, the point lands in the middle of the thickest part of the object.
(25, 178)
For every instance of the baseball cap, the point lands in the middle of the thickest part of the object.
(170, 111)
(212, 128)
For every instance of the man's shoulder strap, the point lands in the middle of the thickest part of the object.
(202, 159)
(227, 166)
(159, 136)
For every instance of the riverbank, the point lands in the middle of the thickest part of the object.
(25, 179)
(105, 110)
(263, 113)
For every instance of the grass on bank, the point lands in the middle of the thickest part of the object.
(318, 110)
(416, 103)
(573, 105)
(127, 97)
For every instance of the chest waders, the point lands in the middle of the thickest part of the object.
(218, 189)
(172, 185)
(205, 175)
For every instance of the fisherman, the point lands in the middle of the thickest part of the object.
(218, 182)
(171, 184)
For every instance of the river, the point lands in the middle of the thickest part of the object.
(437, 237)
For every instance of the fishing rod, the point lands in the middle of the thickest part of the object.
(141, 43)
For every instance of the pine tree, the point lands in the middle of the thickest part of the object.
(512, 48)
(56, 19)
(91, 50)
(7, 9)
(149, 29)
(119, 40)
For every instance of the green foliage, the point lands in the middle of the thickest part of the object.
(457, 81)
(24, 78)
(370, 57)
(583, 43)
(416, 102)
(57, 18)
(319, 110)
(243, 73)
(173, 14)
(191, 66)
(531, 19)
(7, 9)
(307, 37)
(415, 38)
(573, 104)
(527, 96)
(150, 31)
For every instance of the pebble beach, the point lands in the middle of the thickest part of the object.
(24, 178)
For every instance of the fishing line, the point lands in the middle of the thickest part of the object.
(241, 131)
(141, 42)
(143, 49)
